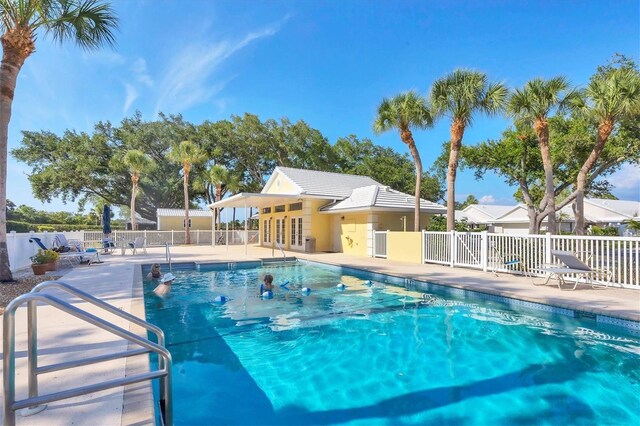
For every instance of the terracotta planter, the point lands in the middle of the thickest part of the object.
(53, 266)
(40, 269)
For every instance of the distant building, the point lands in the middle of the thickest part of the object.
(515, 220)
(142, 223)
(174, 219)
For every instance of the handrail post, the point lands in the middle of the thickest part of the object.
(8, 368)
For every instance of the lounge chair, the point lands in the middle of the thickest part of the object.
(61, 241)
(509, 261)
(138, 244)
(91, 256)
(571, 265)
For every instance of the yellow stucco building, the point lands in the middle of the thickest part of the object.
(308, 210)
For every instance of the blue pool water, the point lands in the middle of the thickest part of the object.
(382, 355)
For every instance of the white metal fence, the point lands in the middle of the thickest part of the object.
(20, 249)
(380, 244)
(495, 252)
(159, 238)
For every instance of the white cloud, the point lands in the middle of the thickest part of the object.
(132, 95)
(187, 80)
(487, 199)
(626, 182)
(139, 68)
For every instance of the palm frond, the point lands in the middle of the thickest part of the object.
(403, 112)
(90, 23)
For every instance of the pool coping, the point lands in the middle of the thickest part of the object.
(138, 404)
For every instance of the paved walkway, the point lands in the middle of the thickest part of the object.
(62, 337)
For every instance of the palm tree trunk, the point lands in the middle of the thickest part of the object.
(407, 138)
(12, 60)
(604, 130)
(187, 235)
(134, 191)
(542, 130)
(457, 131)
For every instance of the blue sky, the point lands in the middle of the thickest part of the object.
(327, 62)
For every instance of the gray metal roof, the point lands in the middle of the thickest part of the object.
(180, 213)
(381, 198)
(327, 184)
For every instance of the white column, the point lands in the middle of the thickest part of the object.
(246, 231)
(484, 250)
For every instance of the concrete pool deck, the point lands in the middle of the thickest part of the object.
(117, 281)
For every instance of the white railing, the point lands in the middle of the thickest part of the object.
(380, 244)
(495, 252)
(20, 249)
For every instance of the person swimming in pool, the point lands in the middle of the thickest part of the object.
(155, 272)
(267, 285)
(165, 285)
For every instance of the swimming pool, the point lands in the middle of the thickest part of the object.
(382, 354)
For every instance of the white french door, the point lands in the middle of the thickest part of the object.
(295, 241)
(281, 231)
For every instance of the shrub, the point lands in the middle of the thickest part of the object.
(15, 225)
(44, 256)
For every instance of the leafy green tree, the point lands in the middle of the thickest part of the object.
(88, 167)
(385, 165)
(462, 94)
(187, 154)
(517, 159)
(533, 104)
(89, 23)
(138, 163)
(405, 112)
(612, 95)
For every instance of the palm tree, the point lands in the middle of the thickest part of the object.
(138, 163)
(533, 104)
(186, 153)
(612, 96)
(405, 112)
(461, 94)
(218, 176)
(90, 23)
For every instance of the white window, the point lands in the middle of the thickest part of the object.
(280, 230)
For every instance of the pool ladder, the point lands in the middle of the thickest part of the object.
(167, 253)
(35, 403)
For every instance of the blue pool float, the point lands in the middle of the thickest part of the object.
(221, 299)
(305, 290)
(285, 284)
(368, 283)
(341, 286)
(267, 294)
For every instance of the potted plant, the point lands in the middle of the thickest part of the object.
(43, 261)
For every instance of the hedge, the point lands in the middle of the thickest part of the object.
(17, 226)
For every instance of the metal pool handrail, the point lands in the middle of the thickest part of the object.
(167, 254)
(34, 400)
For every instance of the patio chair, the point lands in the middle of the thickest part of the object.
(108, 246)
(571, 265)
(138, 244)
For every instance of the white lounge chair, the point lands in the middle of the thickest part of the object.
(571, 265)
